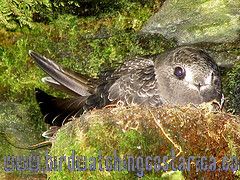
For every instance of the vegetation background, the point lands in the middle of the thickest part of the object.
(88, 36)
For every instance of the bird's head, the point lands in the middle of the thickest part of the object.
(188, 75)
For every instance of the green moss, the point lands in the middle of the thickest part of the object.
(18, 128)
(132, 131)
(232, 88)
(87, 45)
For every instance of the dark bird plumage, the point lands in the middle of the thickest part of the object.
(178, 77)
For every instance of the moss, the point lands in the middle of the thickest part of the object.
(136, 131)
(232, 88)
(17, 127)
(87, 45)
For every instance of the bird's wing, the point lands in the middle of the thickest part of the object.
(63, 78)
(57, 111)
(136, 83)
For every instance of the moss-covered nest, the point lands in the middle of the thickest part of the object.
(139, 131)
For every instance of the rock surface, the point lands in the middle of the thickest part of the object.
(197, 21)
(18, 129)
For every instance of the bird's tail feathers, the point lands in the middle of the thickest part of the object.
(64, 78)
(57, 111)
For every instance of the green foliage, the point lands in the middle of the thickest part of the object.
(15, 14)
(19, 13)
(85, 7)
(97, 7)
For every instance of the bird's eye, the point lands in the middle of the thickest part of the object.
(179, 72)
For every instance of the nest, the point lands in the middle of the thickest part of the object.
(189, 131)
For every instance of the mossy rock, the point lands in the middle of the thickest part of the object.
(138, 131)
(197, 21)
(17, 131)
(209, 24)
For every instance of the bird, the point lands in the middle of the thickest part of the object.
(179, 76)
